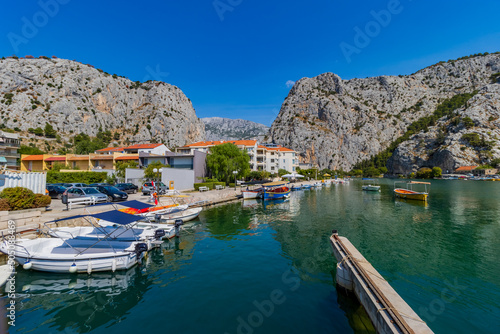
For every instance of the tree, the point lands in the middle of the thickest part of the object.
(84, 144)
(282, 172)
(120, 167)
(371, 172)
(436, 172)
(49, 131)
(57, 166)
(31, 150)
(38, 132)
(149, 171)
(226, 158)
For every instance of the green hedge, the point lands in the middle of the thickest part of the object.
(19, 198)
(209, 185)
(76, 177)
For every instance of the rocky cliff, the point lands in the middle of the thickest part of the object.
(75, 98)
(469, 138)
(337, 123)
(218, 128)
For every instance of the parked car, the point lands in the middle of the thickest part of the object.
(113, 193)
(80, 192)
(69, 185)
(55, 191)
(56, 184)
(148, 187)
(99, 184)
(129, 188)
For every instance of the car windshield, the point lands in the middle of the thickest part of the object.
(91, 191)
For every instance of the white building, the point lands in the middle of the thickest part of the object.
(9, 143)
(268, 157)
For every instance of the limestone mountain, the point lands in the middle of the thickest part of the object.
(337, 123)
(218, 128)
(470, 137)
(77, 98)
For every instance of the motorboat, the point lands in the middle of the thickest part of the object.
(369, 186)
(75, 255)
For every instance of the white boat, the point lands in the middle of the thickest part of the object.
(249, 194)
(74, 255)
(113, 233)
(369, 186)
(184, 215)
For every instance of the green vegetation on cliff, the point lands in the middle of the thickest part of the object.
(446, 108)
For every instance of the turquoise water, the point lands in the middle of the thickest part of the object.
(259, 267)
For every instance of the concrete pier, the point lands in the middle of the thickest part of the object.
(388, 312)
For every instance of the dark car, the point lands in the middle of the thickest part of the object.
(129, 188)
(55, 191)
(99, 184)
(113, 193)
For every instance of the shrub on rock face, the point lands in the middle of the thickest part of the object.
(41, 201)
(18, 198)
(4, 205)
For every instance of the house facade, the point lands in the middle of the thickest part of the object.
(263, 157)
(9, 144)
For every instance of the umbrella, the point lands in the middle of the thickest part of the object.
(292, 175)
(326, 174)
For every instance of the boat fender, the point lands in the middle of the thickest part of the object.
(113, 265)
(159, 234)
(89, 267)
(73, 268)
(141, 248)
(27, 265)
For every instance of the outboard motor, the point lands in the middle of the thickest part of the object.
(178, 223)
(140, 248)
(159, 234)
(157, 218)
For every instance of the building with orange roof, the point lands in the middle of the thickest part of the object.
(266, 157)
(465, 169)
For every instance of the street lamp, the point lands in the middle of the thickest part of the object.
(234, 173)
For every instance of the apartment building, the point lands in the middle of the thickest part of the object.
(267, 157)
(9, 144)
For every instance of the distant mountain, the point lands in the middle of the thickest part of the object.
(218, 128)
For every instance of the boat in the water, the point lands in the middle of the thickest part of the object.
(409, 193)
(184, 215)
(252, 193)
(306, 186)
(276, 190)
(296, 187)
(369, 186)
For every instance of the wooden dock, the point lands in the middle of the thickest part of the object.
(388, 312)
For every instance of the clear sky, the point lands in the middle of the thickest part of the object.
(238, 58)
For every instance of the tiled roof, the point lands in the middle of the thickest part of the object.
(128, 157)
(111, 149)
(465, 168)
(38, 157)
(142, 146)
(102, 157)
(56, 159)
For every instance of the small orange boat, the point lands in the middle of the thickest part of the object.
(409, 193)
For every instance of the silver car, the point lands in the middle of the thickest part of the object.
(86, 192)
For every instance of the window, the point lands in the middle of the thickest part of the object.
(283, 160)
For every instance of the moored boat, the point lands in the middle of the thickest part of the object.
(254, 193)
(276, 190)
(409, 193)
(369, 186)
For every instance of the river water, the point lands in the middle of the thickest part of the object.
(267, 267)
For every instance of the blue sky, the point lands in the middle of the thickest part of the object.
(234, 58)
